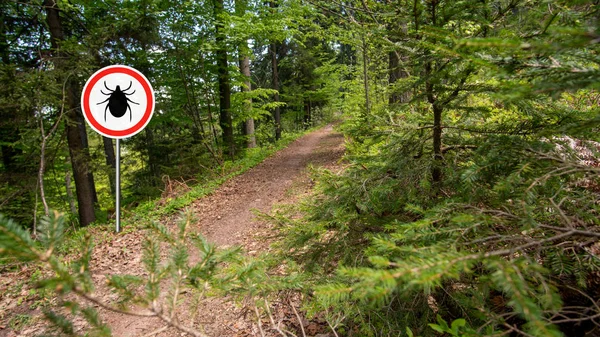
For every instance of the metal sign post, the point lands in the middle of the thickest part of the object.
(118, 186)
(117, 102)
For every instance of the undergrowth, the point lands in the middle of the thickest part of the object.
(181, 271)
(508, 244)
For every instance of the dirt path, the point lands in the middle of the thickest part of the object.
(225, 218)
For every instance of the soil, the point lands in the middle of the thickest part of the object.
(225, 217)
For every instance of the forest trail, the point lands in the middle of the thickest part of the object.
(226, 218)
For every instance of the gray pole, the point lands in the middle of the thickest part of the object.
(118, 186)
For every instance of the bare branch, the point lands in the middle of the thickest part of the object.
(299, 320)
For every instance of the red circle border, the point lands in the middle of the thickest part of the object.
(85, 101)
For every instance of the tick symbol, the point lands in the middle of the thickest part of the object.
(118, 102)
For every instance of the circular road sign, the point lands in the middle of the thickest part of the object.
(117, 101)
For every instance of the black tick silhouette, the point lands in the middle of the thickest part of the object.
(118, 102)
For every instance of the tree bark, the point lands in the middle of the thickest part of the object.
(225, 120)
(249, 124)
(396, 64)
(111, 162)
(395, 73)
(436, 171)
(9, 133)
(275, 80)
(366, 75)
(244, 60)
(307, 113)
(438, 109)
(86, 146)
(70, 192)
(84, 186)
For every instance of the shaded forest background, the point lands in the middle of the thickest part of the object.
(469, 205)
(228, 77)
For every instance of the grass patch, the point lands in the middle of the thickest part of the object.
(19, 321)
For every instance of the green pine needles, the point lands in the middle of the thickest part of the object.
(197, 279)
(182, 270)
(469, 206)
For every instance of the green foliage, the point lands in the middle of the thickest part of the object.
(173, 44)
(468, 205)
(453, 329)
(15, 242)
(19, 321)
(490, 223)
(190, 265)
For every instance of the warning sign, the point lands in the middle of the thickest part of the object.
(117, 101)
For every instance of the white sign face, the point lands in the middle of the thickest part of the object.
(117, 101)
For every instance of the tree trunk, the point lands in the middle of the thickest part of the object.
(396, 62)
(275, 79)
(395, 73)
(70, 192)
(436, 172)
(9, 133)
(86, 146)
(85, 189)
(225, 120)
(244, 59)
(111, 162)
(307, 112)
(249, 125)
(366, 76)
(84, 184)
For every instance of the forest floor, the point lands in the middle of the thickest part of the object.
(226, 217)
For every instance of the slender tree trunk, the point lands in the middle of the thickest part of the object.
(307, 112)
(397, 61)
(42, 169)
(245, 69)
(9, 133)
(366, 75)
(436, 172)
(85, 189)
(438, 109)
(86, 146)
(275, 80)
(395, 73)
(225, 120)
(84, 186)
(393, 76)
(70, 192)
(244, 59)
(111, 162)
(208, 97)
(211, 122)
(192, 106)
